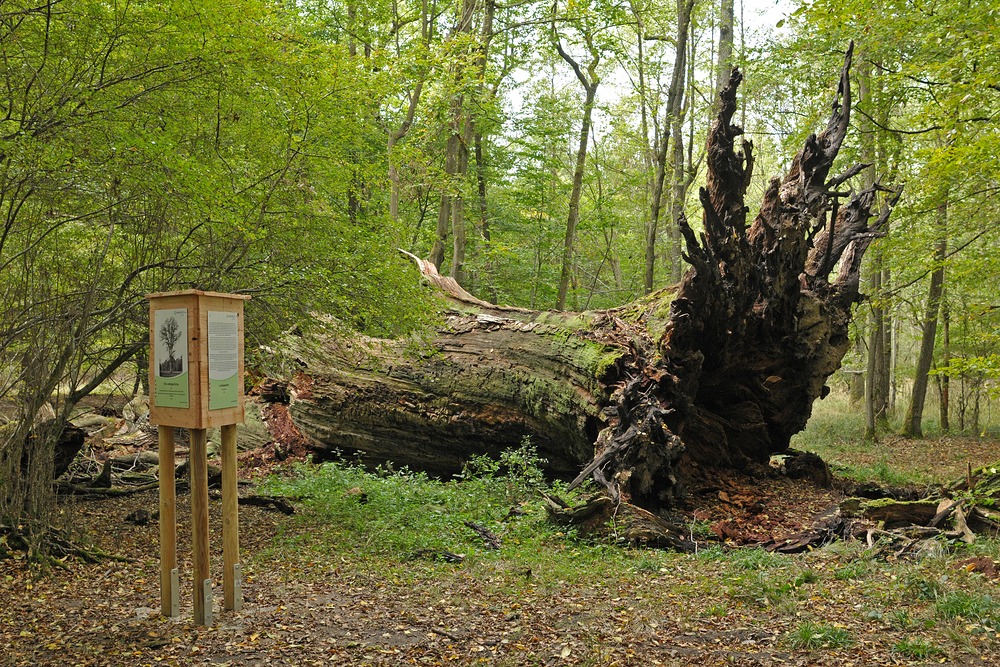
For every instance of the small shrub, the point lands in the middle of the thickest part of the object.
(717, 611)
(917, 586)
(804, 578)
(855, 570)
(519, 470)
(647, 565)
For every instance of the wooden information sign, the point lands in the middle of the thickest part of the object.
(196, 382)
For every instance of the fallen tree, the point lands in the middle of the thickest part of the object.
(718, 371)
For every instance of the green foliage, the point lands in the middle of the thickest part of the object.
(148, 147)
(854, 570)
(396, 514)
(918, 649)
(926, 114)
(901, 619)
(812, 636)
(918, 586)
(519, 470)
(978, 608)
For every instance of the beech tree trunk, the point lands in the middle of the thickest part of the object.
(673, 117)
(913, 421)
(646, 398)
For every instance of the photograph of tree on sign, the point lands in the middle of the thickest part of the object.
(170, 334)
(171, 358)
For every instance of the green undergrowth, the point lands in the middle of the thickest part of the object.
(389, 516)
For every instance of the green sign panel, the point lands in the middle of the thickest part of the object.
(223, 360)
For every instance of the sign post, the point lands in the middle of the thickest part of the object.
(196, 382)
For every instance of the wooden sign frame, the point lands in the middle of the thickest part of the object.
(201, 311)
(196, 382)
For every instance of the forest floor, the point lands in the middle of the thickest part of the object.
(351, 579)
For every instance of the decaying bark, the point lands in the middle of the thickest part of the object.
(720, 370)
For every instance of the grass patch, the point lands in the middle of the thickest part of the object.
(811, 636)
(835, 426)
(855, 570)
(975, 607)
(879, 472)
(901, 619)
(918, 649)
(745, 559)
(383, 523)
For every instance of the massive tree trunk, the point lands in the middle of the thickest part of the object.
(645, 398)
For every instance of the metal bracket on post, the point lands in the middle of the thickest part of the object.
(206, 592)
(175, 594)
(237, 586)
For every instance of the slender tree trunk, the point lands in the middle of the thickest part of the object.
(879, 361)
(441, 231)
(681, 181)
(451, 209)
(856, 380)
(875, 399)
(458, 208)
(647, 154)
(590, 81)
(459, 238)
(485, 40)
(352, 26)
(573, 219)
(484, 217)
(675, 98)
(912, 426)
(395, 135)
(976, 407)
(944, 381)
(674, 254)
